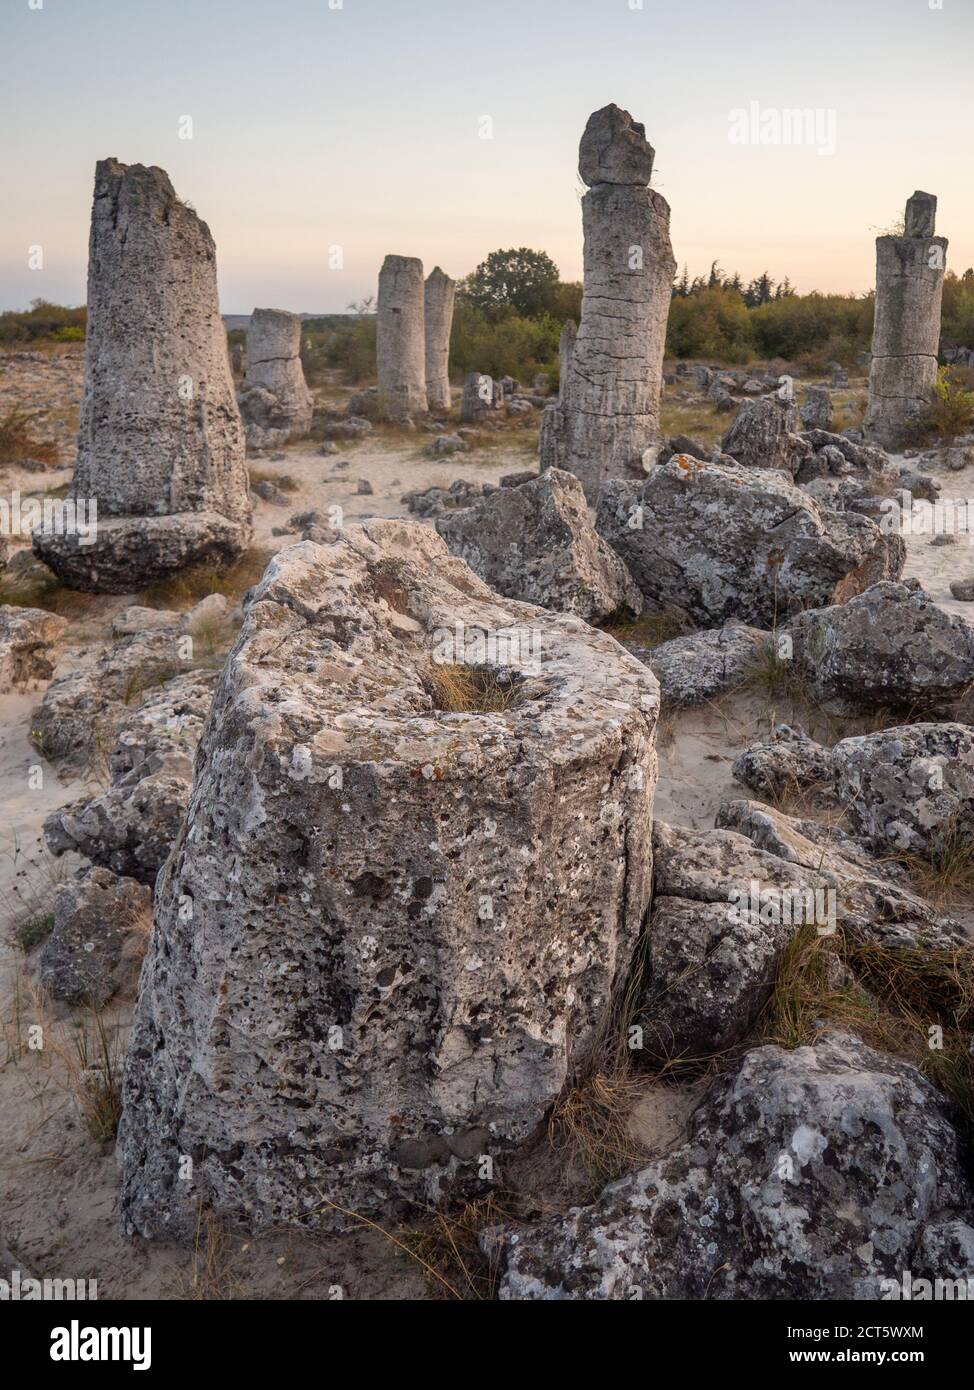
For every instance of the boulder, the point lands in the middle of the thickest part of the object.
(808, 1174)
(29, 639)
(537, 543)
(101, 923)
(434, 501)
(816, 412)
(788, 762)
(131, 827)
(274, 369)
(393, 923)
(888, 646)
(702, 665)
(446, 444)
(909, 789)
(764, 434)
(727, 541)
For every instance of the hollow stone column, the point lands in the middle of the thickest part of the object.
(606, 420)
(274, 395)
(400, 338)
(440, 292)
(161, 443)
(906, 331)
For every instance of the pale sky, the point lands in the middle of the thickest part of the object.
(359, 123)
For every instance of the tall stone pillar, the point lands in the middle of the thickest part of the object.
(161, 444)
(906, 330)
(400, 338)
(606, 420)
(274, 399)
(439, 296)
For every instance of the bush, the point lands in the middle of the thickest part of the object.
(43, 322)
(952, 412)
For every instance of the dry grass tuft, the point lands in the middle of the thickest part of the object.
(186, 588)
(47, 592)
(946, 874)
(474, 689)
(210, 1277)
(651, 628)
(17, 441)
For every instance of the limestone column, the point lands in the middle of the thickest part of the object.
(440, 292)
(906, 330)
(274, 367)
(400, 338)
(606, 422)
(161, 443)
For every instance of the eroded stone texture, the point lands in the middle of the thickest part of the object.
(906, 329)
(161, 445)
(911, 788)
(764, 434)
(727, 541)
(28, 645)
(890, 645)
(536, 543)
(387, 931)
(606, 420)
(787, 763)
(808, 1174)
(274, 399)
(100, 927)
(132, 826)
(439, 294)
(817, 410)
(702, 665)
(401, 339)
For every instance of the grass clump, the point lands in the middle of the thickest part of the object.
(460, 689)
(33, 930)
(946, 872)
(196, 582)
(651, 629)
(952, 410)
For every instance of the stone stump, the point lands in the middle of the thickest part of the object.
(906, 331)
(606, 421)
(274, 369)
(439, 294)
(161, 443)
(481, 395)
(398, 914)
(400, 339)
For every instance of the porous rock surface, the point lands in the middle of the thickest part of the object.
(889, 645)
(701, 665)
(100, 926)
(808, 1174)
(789, 761)
(605, 422)
(387, 931)
(537, 543)
(765, 434)
(29, 639)
(161, 443)
(726, 541)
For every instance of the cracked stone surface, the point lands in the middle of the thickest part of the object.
(274, 398)
(386, 930)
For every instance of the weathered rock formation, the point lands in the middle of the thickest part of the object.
(891, 645)
(788, 762)
(481, 395)
(400, 343)
(764, 434)
(161, 444)
(606, 421)
(28, 645)
(439, 294)
(702, 665)
(729, 541)
(101, 923)
(393, 921)
(816, 1173)
(536, 543)
(906, 329)
(275, 402)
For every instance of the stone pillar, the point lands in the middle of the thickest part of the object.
(481, 395)
(906, 331)
(554, 433)
(400, 338)
(161, 444)
(274, 370)
(439, 296)
(606, 422)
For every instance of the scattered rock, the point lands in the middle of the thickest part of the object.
(101, 924)
(789, 762)
(702, 665)
(29, 639)
(764, 434)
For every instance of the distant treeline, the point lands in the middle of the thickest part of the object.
(43, 322)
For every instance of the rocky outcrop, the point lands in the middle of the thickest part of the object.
(725, 541)
(400, 344)
(161, 444)
(906, 327)
(435, 501)
(910, 789)
(438, 296)
(702, 665)
(396, 915)
(29, 638)
(131, 827)
(888, 646)
(787, 763)
(606, 420)
(101, 923)
(765, 434)
(275, 402)
(817, 1173)
(536, 543)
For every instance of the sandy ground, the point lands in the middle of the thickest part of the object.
(57, 1185)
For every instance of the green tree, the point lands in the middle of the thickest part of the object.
(523, 281)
